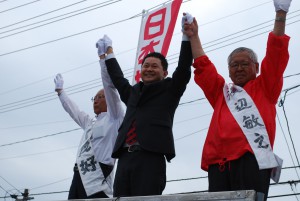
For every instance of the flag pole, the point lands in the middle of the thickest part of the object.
(137, 50)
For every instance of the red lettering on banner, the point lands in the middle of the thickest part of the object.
(159, 24)
(137, 76)
(146, 50)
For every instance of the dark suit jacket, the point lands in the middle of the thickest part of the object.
(152, 105)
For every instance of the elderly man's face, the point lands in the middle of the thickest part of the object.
(99, 102)
(242, 69)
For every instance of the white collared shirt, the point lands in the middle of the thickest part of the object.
(104, 127)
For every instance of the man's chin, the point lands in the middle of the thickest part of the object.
(148, 81)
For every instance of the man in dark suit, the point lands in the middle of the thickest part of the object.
(145, 137)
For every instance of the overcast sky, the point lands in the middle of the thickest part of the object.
(40, 39)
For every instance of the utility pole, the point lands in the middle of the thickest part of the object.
(25, 196)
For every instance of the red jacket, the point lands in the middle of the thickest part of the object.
(225, 140)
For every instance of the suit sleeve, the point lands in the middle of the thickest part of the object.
(182, 73)
(118, 79)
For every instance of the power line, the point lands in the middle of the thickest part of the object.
(69, 36)
(288, 76)
(204, 44)
(51, 183)
(39, 153)
(284, 195)
(1, 186)
(190, 134)
(36, 138)
(50, 96)
(19, 6)
(178, 122)
(244, 38)
(281, 183)
(127, 51)
(30, 47)
(46, 97)
(10, 185)
(42, 14)
(54, 20)
(31, 125)
(288, 147)
(51, 77)
(63, 132)
(281, 104)
(38, 81)
(232, 43)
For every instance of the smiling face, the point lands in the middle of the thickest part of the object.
(99, 102)
(242, 68)
(152, 70)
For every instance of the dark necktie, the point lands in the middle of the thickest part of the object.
(131, 135)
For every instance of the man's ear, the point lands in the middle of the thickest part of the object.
(257, 68)
(165, 73)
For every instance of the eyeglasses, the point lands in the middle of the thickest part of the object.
(97, 98)
(244, 64)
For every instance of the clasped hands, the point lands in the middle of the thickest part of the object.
(103, 44)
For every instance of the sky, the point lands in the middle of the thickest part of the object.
(39, 39)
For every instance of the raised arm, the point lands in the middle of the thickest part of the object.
(114, 105)
(191, 31)
(116, 75)
(281, 8)
(80, 117)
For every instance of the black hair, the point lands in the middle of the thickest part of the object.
(161, 57)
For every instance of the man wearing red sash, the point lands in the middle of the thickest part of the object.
(229, 157)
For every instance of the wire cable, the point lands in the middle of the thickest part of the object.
(10, 184)
(281, 104)
(6, 192)
(36, 138)
(30, 47)
(37, 16)
(288, 147)
(6, 36)
(69, 36)
(276, 196)
(37, 124)
(39, 153)
(3, 11)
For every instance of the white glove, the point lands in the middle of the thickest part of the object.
(100, 46)
(107, 42)
(59, 81)
(282, 5)
(189, 19)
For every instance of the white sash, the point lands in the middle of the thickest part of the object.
(90, 171)
(250, 121)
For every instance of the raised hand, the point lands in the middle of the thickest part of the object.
(107, 42)
(186, 19)
(100, 45)
(282, 5)
(59, 82)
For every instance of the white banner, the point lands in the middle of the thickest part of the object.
(247, 116)
(156, 32)
(90, 171)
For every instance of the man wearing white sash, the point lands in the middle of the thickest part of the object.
(93, 176)
(238, 151)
